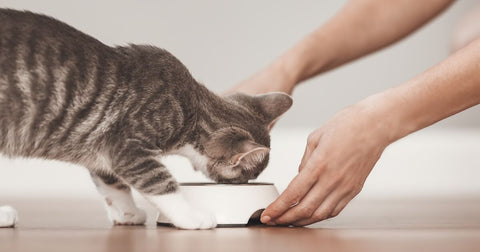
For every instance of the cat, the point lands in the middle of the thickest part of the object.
(116, 110)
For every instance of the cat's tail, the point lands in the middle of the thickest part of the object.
(8, 216)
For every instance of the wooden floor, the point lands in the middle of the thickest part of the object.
(52, 225)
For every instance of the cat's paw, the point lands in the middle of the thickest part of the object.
(132, 217)
(8, 216)
(174, 208)
(194, 219)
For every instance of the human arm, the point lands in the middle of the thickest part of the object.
(340, 155)
(359, 28)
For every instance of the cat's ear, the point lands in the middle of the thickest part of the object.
(274, 105)
(249, 152)
(269, 106)
(234, 145)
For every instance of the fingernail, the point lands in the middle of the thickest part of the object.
(265, 219)
(271, 223)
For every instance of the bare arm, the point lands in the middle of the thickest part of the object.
(359, 28)
(444, 90)
(340, 154)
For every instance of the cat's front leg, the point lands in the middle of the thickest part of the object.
(154, 181)
(118, 198)
(181, 213)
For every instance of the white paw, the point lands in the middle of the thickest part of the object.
(135, 216)
(8, 216)
(193, 219)
(180, 213)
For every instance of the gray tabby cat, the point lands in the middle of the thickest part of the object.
(115, 110)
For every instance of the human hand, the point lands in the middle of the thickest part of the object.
(337, 160)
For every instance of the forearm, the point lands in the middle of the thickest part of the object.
(446, 89)
(359, 28)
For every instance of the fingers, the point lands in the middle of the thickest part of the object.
(341, 205)
(330, 208)
(320, 190)
(307, 206)
(294, 193)
(296, 190)
(324, 211)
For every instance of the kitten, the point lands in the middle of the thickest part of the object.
(115, 110)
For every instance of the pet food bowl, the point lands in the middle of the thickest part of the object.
(232, 204)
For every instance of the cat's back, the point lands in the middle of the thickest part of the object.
(25, 26)
(55, 84)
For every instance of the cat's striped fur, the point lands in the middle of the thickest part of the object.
(66, 96)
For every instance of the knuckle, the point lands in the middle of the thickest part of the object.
(316, 172)
(318, 168)
(305, 212)
(311, 140)
(337, 177)
(304, 215)
(319, 216)
(335, 180)
(322, 163)
(356, 189)
(334, 213)
(291, 200)
(324, 214)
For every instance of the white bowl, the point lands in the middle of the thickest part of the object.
(232, 204)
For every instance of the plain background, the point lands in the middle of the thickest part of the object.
(224, 42)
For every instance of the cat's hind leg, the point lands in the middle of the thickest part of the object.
(118, 198)
(8, 216)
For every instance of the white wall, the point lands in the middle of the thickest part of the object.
(223, 42)
(434, 162)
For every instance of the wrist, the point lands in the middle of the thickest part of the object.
(283, 78)
(306, 59)
(385, 117)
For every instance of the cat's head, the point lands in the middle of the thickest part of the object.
(239, 151)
